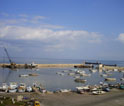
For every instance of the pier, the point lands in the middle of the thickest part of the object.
(41, 65)
(5, 65)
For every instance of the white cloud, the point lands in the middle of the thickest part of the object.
(121, 37)
(29, 33)
(60, 39)
(27, 28)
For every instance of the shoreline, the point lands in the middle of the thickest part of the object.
(114, 98)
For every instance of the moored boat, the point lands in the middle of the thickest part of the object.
(65, 90)
(80, 80)
(29, 89)
(13, 85)
(22, 87)
(23, 75)
(12, 90)
(110, 79)
(33, 74)
(98, 92)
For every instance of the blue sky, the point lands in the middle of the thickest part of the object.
(69, 29)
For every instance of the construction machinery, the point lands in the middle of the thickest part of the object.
(12, 64)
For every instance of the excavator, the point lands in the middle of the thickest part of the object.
(12, 64)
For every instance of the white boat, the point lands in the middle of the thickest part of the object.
(33, 64)
(76, 76)
(84, 88)
(23, 75)
(12, 90)
(22, 87)
(98, 92)
(29, 89)
(71, 74)
(13, 85)
(64, 90)
(115, 69)
(93, 70)
(94, 89)
(104, 75)
(42, 90)
(4, 86)
(80, 72)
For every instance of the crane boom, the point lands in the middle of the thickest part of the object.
(12, 64)
(7, 55)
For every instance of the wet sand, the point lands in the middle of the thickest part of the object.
(113, 98)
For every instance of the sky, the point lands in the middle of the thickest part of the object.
(63, 29)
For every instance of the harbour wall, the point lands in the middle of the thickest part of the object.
(62, 66)
(43, 65)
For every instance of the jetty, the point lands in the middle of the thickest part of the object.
(5, 65)
(30, 66)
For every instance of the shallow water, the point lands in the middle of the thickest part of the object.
(52, 81)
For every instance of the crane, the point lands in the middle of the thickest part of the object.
(12, 64)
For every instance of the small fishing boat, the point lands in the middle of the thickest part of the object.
(107, 89)
(23, 75)
(115, 70)
(42, 90)
(81, 91)
(76, 76)
(13, 85)
(80, 72)
(29, 89)
(33, 74)
(4, 88)
(64, 90)
(12, 90)
(104, 75)
(22, 87)
(71, 74)
(80, 80)
(110, 79)
(83, 88)
(93, 70)
(98, 92)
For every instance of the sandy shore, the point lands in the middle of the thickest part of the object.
(113, 98)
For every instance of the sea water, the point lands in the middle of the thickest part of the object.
(48, 78)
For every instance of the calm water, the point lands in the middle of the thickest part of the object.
(52, 81)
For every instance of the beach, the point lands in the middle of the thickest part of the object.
(113, 98)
